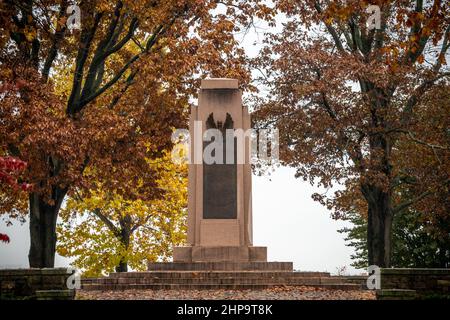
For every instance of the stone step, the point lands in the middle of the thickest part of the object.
(202, 279)
(396, 294)
(275, 280)
(216, 274)
(55, 294)
(362, 280)
(221, 266)
(206, 286)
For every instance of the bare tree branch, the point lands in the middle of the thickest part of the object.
(57, 38)
(106, 221)
(408, 203)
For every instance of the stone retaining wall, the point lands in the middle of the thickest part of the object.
(408, 283)
(420, 279)
(35, 284)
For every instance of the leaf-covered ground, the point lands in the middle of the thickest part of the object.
(279, 293)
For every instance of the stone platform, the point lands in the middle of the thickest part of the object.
(213, 275)
(213, 280)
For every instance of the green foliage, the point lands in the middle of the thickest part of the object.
(356, 237)
(414, 244)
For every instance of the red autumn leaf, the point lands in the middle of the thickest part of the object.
(4, 238)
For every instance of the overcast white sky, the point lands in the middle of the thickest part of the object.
(285, 218)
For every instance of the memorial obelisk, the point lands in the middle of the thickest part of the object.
(219, 194)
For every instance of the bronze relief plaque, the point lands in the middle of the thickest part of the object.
(220, 181)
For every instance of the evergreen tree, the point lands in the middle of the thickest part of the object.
(414, 242)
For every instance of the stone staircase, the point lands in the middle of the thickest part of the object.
(219, 279)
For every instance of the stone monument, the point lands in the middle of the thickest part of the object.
(220, 252)
(219, 194)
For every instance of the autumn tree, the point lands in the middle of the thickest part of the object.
(94, 96)
(420, 232)
(105, 232)
(348, 98)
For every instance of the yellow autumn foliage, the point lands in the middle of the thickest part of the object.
(155, 226)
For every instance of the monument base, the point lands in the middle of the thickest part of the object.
(220, 254)
(183, 267)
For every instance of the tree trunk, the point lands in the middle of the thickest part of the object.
(125, 235)
(122, 267)
(43, 228)
(378, 194)
(379, 228)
